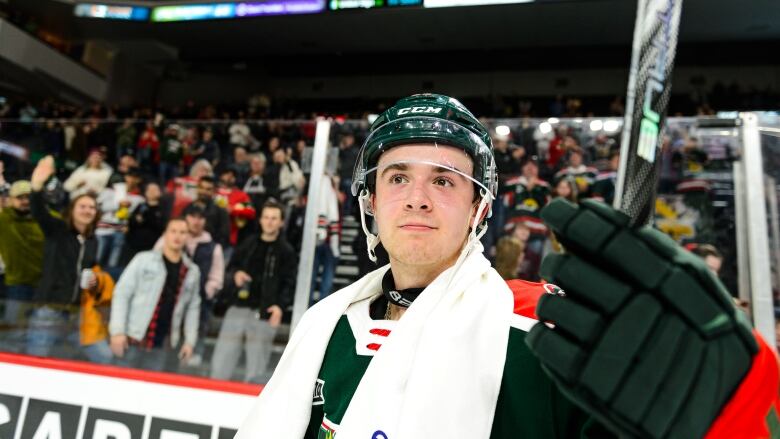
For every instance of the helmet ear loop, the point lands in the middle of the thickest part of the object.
(372, 241)
(477, 229)
(479, 225)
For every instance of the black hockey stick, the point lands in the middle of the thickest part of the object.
(649, 88)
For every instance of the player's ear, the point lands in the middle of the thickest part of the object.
(475, 208)
(484, 214)
(370, 203)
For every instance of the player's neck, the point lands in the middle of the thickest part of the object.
(417, 276)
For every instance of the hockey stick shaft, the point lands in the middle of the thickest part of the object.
(647, 98)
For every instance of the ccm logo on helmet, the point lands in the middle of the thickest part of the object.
(417, 110)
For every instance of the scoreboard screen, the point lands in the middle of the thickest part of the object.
(449, 3)
(208, 11)
(114, 12)
(335, 5)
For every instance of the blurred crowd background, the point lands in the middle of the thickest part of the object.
(154, 176)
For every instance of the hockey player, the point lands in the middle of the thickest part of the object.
(437, 345)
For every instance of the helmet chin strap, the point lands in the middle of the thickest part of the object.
(371, 240)
(478, 228)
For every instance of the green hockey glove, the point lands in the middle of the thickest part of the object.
(646, 339)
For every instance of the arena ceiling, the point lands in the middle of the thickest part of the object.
(551, 24)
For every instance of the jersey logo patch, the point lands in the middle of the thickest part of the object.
(319, 397)
(555, 290)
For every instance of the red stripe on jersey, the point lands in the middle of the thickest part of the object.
(327, 427)
(380, 332)
(526, 295)
(745, 415)
(374, 346)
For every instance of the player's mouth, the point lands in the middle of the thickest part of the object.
(417, 227)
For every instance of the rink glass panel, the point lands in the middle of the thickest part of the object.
(690, 212)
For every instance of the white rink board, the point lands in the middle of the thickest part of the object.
(42, 403)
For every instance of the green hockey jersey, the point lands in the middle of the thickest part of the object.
(524, 202)
(583, 177)
(529, 405)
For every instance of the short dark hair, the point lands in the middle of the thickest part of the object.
(193, 210)
(148, 183)
(273, 204)
(207, 179)
(172, 219)
(228, 170)
(134, 171)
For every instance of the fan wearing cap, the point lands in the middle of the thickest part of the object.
(437, 345)
(21, 248)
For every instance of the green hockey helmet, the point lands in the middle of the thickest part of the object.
(424, 118)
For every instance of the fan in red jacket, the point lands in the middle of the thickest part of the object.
(236, 201)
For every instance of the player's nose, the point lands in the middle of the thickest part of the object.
(418, 198)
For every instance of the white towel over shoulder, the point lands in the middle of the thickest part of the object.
(437, 375)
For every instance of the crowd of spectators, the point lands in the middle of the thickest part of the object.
(136, 234)
(706, 100)
(123, 237)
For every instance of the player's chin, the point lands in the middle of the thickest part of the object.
(419, 254)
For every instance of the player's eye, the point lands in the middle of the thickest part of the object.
(398, 179)
(443, 181)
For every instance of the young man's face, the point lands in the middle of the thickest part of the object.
(530, 170)
(423, 212)
(132, 181)
(239, 155)
(152, 192)
(205, 190)
(271, 220)
(195, 224)
(127, 162)
(575, 159)
(175, 235)
(227, 180)
(279, 156)
(273, 144)
(21, 203)
(347, 141)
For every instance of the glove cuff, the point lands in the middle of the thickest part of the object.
(753, 410)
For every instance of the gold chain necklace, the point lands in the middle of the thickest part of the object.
(387, 312)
